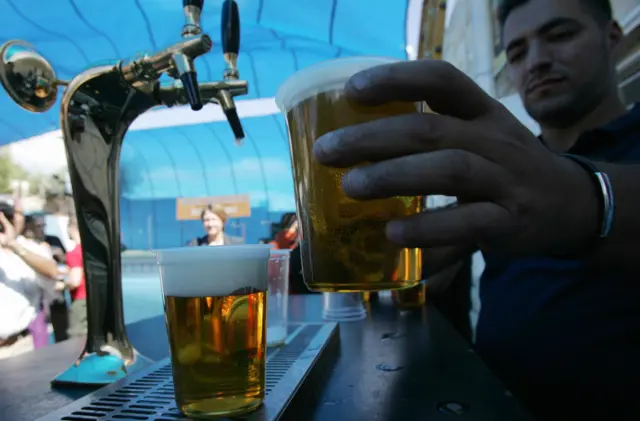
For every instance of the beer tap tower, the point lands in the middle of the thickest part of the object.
(97, 108)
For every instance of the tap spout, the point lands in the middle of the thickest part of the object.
(189, 78)
(225, 99)
(175, 94)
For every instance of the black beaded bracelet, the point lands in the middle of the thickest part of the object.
(602, 184)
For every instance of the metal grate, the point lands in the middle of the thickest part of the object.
(148, 396)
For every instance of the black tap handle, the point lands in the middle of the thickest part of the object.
(197, 3)
(230, 27)
(190, 83)
(234, 122)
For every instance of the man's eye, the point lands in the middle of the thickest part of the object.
(560, 35)
(515, 55)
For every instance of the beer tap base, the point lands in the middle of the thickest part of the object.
(100, 369)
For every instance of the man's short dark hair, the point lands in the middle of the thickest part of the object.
(600, 9)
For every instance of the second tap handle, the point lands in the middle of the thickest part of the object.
(196, 3)
(230, 26)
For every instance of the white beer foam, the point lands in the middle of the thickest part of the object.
(322, 77)
(213, 271)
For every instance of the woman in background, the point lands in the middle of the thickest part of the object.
(213, 219)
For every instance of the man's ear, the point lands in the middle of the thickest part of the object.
(615, 34)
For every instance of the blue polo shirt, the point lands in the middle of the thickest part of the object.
(565, 336)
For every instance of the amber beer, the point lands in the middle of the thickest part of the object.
(412, 297)
(343, 242)
(215, 309)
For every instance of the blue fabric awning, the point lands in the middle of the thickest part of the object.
(278, 37)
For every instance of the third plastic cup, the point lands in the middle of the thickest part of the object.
(278, 297)
(343, 307)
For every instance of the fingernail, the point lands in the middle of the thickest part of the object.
(359, 81)
(395, 231)
(325, 145)
(355, 183)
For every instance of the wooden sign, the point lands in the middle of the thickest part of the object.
(190, 208)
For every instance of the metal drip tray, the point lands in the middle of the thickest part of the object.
(293, 370)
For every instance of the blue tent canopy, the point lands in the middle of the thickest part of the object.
(278, 37)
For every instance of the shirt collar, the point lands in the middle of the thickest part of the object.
(616, 129)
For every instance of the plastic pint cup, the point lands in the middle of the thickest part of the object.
(343, 242)
(215, 310)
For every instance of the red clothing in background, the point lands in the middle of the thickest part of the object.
(285, 240)
(74, 260)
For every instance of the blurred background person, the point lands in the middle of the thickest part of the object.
(213, 219)
(76, 283)
(34, 229)
(288, 239)
(27, 277)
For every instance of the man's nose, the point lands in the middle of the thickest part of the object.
(539, 57)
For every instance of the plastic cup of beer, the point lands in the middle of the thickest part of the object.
(215, 311)
(343, 242)
(343, 307)
(277, 301)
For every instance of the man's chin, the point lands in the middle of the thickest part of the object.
(556, 111)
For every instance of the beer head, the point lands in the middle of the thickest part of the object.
(323, 77)
(214, 271)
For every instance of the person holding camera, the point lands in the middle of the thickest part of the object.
(27, 275)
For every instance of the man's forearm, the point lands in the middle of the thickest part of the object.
(621, 250)
(42, 265)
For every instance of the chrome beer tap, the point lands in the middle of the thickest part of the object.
(224, 91)
(97, 108)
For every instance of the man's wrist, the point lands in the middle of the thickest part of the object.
(16, 247)
(584, 213)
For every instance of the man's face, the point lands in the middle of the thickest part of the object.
(39, 227)
(560, 59)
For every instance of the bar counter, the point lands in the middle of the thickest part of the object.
(392, 366)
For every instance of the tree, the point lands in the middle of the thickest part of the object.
(57, 199)
(10, 171)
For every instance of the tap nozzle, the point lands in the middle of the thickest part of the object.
(189, 78)
(225, 99)
(192, 13)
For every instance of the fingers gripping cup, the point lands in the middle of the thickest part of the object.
(343, 242)
(215, 310)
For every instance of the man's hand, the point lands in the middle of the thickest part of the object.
(515, 195)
